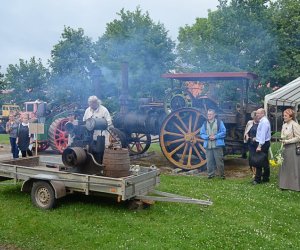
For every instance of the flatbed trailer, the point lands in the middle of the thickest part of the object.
(47, 180)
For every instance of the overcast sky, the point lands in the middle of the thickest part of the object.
(32, 27)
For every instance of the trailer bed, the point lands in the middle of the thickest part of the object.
(142, 181)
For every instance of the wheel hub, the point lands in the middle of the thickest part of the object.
(189, 137)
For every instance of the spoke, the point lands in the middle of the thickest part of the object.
(179, 128)
(59, 130)
(197, 131)
(168, 143)
(190, 157)
(176, 149)
(132, 146)
(190, 123)
(172, 133)
(198, 153)
(140, 136)
(139, 147)
(184, 152)
(181, 121)
(201, 147)
(196, 121)
(198, 139)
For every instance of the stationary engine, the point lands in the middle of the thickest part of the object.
(89, 156)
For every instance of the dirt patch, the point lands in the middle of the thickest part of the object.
(9, 247)
(234, 167)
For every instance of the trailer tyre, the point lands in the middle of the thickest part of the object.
(42, 195)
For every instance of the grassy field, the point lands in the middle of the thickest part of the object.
(242, 217)
(4, 139)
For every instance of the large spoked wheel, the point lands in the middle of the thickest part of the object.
(138, 143)
(180, 139)
(42, 195)
(58, 136)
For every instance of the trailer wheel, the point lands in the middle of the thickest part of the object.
(42, 195)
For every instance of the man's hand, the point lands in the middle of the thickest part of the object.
(212, 137)
(258, 149)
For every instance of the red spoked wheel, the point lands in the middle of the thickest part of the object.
(138, 143)
(180, 139)
(58, 136)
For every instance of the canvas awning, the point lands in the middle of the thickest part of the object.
(288, 95)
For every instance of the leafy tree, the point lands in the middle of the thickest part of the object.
(2, 82)
(236, 37)
(145, 45)
(72, 68)
(286, 16)
(28, 79)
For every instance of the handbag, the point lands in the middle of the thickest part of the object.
(297, 145)
(298, 148)
(257, 159)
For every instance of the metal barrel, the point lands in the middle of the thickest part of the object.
(116, 162)
(74, 157)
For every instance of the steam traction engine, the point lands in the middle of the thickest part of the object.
(178, 119)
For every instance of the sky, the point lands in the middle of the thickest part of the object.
(32, 27)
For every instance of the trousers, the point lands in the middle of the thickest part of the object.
(215, 161)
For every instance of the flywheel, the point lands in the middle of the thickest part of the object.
(58, 137)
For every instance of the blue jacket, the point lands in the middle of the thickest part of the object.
(220, 136)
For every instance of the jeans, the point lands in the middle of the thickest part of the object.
(14, 147)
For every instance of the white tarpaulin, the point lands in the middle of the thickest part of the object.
(288, 95)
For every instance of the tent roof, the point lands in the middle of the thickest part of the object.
(288, 95)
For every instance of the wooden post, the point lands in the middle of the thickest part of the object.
(36, 129)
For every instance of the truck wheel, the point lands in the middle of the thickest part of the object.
(42, 195)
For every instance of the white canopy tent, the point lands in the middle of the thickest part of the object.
(288, 95)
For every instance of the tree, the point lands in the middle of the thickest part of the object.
(286, 16)
(236, 37)
(72, 67)
(28, 79)
(145, 45)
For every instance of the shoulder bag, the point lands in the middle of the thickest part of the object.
(297, 144)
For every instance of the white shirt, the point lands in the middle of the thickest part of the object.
(100, 112)
(263, 132)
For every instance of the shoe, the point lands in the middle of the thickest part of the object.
(265, 181)
(254, 182)
(223, 177)
(210, 177)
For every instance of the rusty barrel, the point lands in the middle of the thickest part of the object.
(116, 162)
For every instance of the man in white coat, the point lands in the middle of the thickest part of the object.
(96, 110)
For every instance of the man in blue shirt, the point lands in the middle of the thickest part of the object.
(213, 132)
(263, 138)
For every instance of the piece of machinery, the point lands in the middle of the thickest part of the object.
(89, 156)
(178, 118)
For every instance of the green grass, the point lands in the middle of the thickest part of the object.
(242, 217)
(4, 139)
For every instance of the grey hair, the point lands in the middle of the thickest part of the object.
(211, 110)
(253, 114)
(94, 98)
